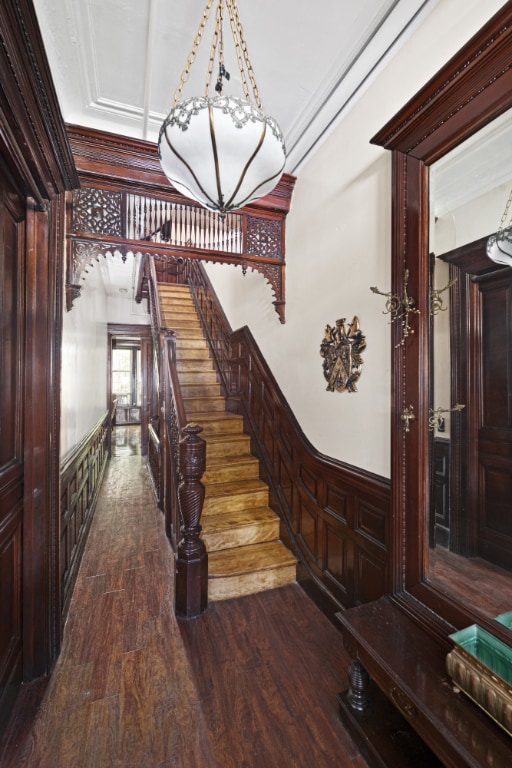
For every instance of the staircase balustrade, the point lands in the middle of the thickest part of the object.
(216, 325)
(177, 464)
(114, 221)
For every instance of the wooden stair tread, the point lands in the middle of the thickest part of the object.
(215, 490)
(238, 518)
(254, 557)
(223, 416)
(244, 458)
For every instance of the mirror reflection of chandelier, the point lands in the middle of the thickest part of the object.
(499, 246)
(221, 151)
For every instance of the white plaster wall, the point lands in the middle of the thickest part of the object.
(338, 245)
(84, 362)
(125, 310)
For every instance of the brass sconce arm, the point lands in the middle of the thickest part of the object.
(399, 307)
(436, 301)
(436, 419)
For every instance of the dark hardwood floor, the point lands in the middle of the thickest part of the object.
(491, 586)
(252, 683)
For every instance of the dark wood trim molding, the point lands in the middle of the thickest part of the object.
(33, 137)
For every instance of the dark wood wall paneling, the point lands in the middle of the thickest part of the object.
(335, 516)
(81, 475)
(36, 168)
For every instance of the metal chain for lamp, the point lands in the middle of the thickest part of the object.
(221, 150)
(241, 49)
(505, 213)
(192, 55)
(242, 53)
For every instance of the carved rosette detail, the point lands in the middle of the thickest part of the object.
(264, 237)
(97, 212)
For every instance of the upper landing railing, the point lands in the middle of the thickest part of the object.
(103, 221)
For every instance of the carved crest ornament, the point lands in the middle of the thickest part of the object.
(341, 349)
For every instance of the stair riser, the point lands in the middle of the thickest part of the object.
(213, 427)
(185, 335)
(190, 318)
(200, 390)
(186, 366)
(233, 502)
(231, 472)
(192, 354)
(243, 536)
(192, 344)
(205, 405)
(225, 450)
(180, 325)
(228, 587)
(195, 377)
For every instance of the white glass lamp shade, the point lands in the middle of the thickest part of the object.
(499, 247)
(221, 151)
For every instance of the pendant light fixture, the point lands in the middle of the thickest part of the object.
(221, 150)
(499, 246)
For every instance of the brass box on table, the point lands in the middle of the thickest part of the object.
(481, 666)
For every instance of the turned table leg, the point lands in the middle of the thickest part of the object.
(359, 682)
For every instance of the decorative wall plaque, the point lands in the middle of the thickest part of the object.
(341, 349)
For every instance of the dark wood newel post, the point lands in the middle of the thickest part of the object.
(192, 560)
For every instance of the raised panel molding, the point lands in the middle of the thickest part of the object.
(81, 476)
(334, 515)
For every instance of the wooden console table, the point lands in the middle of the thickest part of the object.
(408, 666)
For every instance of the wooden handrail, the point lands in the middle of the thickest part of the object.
(178, 465)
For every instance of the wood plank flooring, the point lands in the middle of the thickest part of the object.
(252, 683)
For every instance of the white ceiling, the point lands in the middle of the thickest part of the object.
(117, 63)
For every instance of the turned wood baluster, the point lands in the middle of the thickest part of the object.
(192, 560)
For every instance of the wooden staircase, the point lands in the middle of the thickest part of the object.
(240, 530)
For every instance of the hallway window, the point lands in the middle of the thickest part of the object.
(126, 375)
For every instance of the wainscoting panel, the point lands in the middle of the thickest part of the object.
(81, 476)
(336, 517)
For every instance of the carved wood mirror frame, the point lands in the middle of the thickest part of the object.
(470, 91)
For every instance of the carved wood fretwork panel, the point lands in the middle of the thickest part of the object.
(264, 237)
(97, 211)
(125, 196)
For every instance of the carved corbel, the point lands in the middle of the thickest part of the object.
(72, 292)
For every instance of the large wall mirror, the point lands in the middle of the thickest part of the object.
(442, 216)
(470, 415)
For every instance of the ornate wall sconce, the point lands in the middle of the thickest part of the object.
(399, 307)
(341, 349)
(436, 420)
(436, 302)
